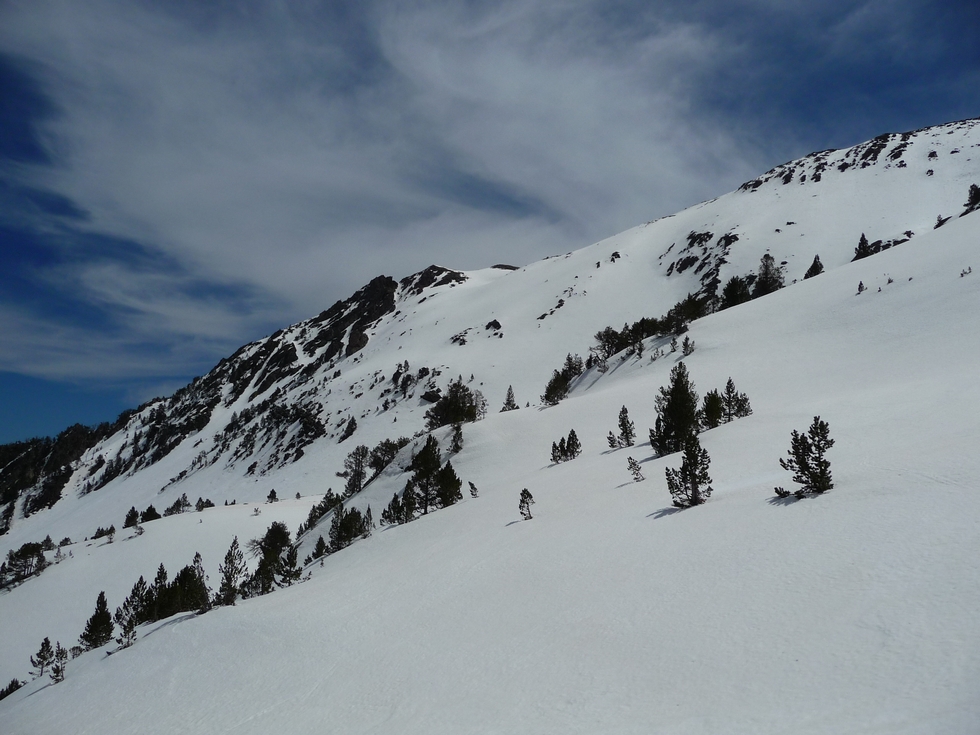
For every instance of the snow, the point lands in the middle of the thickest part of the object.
(610, 611)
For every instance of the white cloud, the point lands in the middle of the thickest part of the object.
(252, 155)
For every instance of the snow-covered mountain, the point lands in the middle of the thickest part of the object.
(608, 611)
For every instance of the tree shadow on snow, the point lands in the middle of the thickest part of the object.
(776, 500)
(510, 524)
(664, 512)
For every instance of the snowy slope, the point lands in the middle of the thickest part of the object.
(610, 611)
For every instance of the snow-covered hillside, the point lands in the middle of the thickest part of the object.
(610, 610)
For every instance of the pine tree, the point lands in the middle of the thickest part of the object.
(687, 347)
(289, 569)
(555, 454)
(43, 659)
(525, 505)
(99, 628)
(448, 486)
(807, 460)
(573, 447)
(863, 249)
(677, 413)
(736, 405)
(320, 548)
(815, 269)
(690, 485)
(426, 464)
(474, 493)
(510, 402)
(562, 449)
(627, 431)
(712, 409)
(612, 441)
(634, 467)
(735, 292)
(132, 518)
(232, 572)
(769, 278)
(355, 470)
(59, 663)
(456, 444)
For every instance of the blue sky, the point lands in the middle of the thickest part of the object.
(178, 178)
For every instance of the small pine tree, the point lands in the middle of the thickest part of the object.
(712, 409)
(525, 506)
(612, 441)
(815, 269)
(690, 485)
(735, 292)
(677, 413)
(132, 518)
(43, 659)
(687, 346)
(320, 548)
(456, 444)
(634, 467)
(627, 430)
(448, 486)
(555, 454)
(99, 628)
(807, 460)
(474, 493)
(562, 449)
(59, 663)
(736, 405)
(573, 447)
(510, 402)
(863, 249)
(769, 278)
(232, 572)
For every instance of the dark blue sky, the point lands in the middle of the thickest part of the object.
(179, 178)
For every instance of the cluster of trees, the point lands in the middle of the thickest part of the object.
(361, 459)
(566, 449)
(457, 406)
(27, 561)
(432, 485)
(277, 565)
(739, 289)
(561, 380)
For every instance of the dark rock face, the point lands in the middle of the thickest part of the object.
(431, 277)
(358, 312)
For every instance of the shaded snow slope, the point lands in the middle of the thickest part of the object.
(610, 611)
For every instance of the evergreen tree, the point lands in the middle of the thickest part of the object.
(687, 347)
(458, 405)
(627, 431)
(863, 249)
(456, 444)
(126, 620)
(132, 518)
(612, 441)
(634, 467)
(289, 569)
(677, 413)
(555, 454)
(556, 389)
(390, 516)
(99, 628)
(712, 409)
(573, 447)
(425, 465)
(59, 663)
(150, 514)
(12, 687)
(562, 449)
(409, 502)
(474, 493)
(689, 485)
(769, 277)
(232, 572)
(525, 505)
(735, 292)
(448, 486)
(815, 269)
(510, 402)
(736, 405)
(320, 548)
(43, 659)
(355, 470)
(807, 460)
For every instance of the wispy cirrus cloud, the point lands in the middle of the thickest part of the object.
(205, 172)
